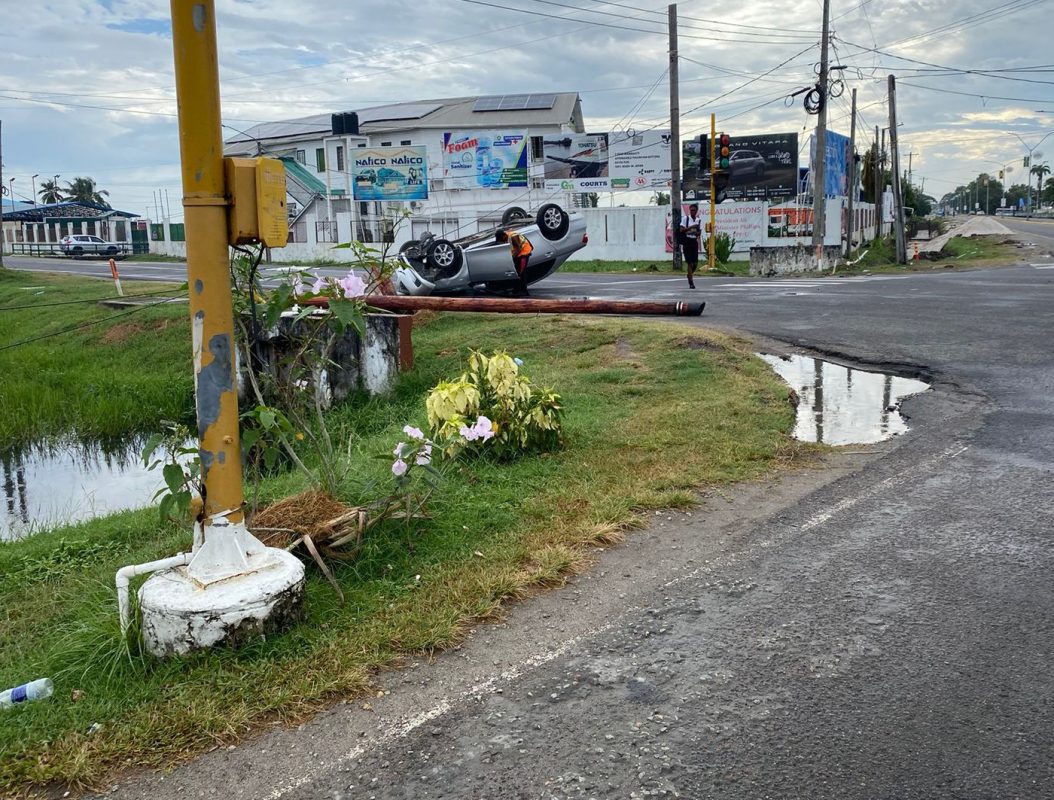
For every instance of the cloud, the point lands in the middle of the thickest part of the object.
(85, 86)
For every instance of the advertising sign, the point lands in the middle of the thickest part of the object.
(639, 161)
(576, 163)
(390, 173)
(485, 159)
(746, 222)
(761, 167)
(836, 170)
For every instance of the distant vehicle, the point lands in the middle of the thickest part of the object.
(452, 266)
(81, 245)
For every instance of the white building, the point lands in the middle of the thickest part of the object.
(320, 182)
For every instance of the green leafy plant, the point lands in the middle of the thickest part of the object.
(519, 416)
(724, 244)
(180, 464)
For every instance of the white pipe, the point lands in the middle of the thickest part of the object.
(125, 574)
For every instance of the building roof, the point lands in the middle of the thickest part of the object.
(452, 113)
(68, 209)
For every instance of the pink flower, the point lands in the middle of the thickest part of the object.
(484, 429)
(398, 451)
(319, 285)
(353, 286)
(424, 456)
(399, 468)
(413, 433)
(468, 434)
(298, 285)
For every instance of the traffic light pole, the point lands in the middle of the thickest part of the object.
(713, 195)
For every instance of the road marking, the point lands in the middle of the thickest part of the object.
(1043, 266)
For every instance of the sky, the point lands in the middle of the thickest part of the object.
(87, 88)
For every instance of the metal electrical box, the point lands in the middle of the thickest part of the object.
(257, 210)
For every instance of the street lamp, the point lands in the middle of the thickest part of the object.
(33, 180)
(1031, 150)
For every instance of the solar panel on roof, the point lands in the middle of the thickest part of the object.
(515, 102)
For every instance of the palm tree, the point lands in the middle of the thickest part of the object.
(82, 190)
(50, 192)
(1040, 171)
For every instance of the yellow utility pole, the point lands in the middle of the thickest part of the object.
(713, 194)
(208, 277)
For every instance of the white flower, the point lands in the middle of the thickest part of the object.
(413, 433)
(399, 468)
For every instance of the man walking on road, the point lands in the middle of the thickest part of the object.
(689, 231)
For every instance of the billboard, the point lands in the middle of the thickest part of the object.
(576, 163)
(761, 167)
(746, 222)
(836, 170)
(639, 161)
(390, 173)
(485, 159)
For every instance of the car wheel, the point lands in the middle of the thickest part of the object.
(444, 258)
(514, 214)
(78, 252)
(553, 221)
(111, 251)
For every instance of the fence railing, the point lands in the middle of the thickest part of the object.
(52, 249)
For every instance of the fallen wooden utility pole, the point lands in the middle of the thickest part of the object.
(501, 305)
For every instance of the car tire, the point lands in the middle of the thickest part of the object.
(444, 258)
(514, 214)
(553, 221)
(111, 251)
(77, 252)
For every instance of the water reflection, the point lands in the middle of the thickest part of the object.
(50, 485)
(839, 405)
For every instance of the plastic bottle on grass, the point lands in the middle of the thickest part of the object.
(34, 690)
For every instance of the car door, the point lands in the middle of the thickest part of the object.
(490, 262)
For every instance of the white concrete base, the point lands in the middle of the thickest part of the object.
(179, 616)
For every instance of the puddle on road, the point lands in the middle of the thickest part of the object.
(70, 483)
(838, 405)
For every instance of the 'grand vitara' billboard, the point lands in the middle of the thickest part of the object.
(760, 167)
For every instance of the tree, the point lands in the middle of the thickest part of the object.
(593, 199)
(1040, 171)
(82, 190)
(50, 192)
(660, 198)
(1048, 192)
(1016, 193)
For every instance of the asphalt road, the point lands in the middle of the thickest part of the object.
(880, 628)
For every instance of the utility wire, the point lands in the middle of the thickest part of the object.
(75, 302)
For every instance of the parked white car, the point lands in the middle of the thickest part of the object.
(83, 245)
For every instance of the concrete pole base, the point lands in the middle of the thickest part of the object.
(179, 616)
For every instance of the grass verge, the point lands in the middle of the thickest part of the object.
(652, 411)
(977, 251)
(664, 266)
(116, 371)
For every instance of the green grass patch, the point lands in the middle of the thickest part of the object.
(116, 372)
(977, 251)
(664, 266)
(653, 410)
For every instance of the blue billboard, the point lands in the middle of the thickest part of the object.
(836, 165)
(390, 173)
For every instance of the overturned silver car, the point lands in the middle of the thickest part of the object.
(430, 265)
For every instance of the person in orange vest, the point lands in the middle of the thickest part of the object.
(521, 253)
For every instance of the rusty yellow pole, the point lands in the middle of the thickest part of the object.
(205, 204)
(710, 263)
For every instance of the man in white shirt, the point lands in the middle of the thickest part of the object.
(690, 231)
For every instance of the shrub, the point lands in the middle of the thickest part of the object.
(524, 417)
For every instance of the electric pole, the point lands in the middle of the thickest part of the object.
(898, 197)
(675, 142)
(819, 195)
(877, 164)
(851, 168)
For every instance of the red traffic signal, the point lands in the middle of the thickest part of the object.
(723, 150)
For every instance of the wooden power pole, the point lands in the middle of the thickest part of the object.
(675, 141)
(819, 197)
(851, 179)
(898, 197)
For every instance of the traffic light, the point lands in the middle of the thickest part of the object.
(1000, 174)
(723, 150)
(704, 153)
(1026, 161)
